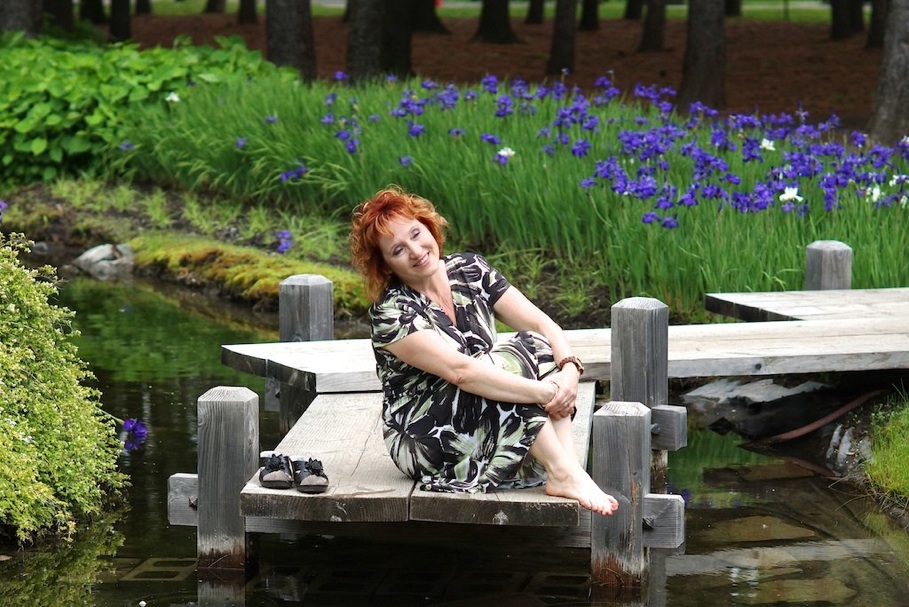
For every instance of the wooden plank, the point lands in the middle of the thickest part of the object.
(344, 432)
(842, 304)
(526, 507)
(710, 350)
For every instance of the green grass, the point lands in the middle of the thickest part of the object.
(889, 469)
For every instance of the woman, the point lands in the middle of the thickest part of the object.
(461, 411)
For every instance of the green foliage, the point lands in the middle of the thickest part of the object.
(58, 450)
(889, 468)
(62, 102)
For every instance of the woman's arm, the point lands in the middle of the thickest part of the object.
(427, 350)
(519, 313)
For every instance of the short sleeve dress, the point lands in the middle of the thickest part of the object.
(436, 433)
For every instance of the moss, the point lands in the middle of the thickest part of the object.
(245, 273)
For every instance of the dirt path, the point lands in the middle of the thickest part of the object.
(773, 67)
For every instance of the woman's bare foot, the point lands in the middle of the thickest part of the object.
(579, 486)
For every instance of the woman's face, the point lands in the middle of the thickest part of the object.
(410, 251)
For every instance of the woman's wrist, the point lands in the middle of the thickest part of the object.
(553, 390)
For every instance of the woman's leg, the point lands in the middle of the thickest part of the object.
(565, 476)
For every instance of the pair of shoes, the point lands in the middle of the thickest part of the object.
(309, 476)
(277, 473)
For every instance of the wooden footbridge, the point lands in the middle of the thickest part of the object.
(330, 403)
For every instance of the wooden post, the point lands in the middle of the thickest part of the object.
(228, 420)
(305, 313)
(621, 466)
(639, 370)
(828, 265)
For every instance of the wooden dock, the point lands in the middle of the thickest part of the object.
(714, 350)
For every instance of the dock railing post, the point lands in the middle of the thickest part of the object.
(621, 466)
(228, 419)
(639, 376)
(305, 313)
(828, 265)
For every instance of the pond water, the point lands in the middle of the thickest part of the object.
(760, 530)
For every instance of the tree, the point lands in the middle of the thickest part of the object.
(425, 18)
(60, 13)
(536, 12)
(654, 26)
(120, 23)
(634, 10)
(248, 12)
(704, 65)
(733, 8)
(397, 33)
(561, 52)
(495, 26)
(143, 7)
(215, 6)
(890, 114)
(846, 18)
(92, 11)
(21, 16)
(364, 39)
(590, 18)
(878, 23)
(289, 36)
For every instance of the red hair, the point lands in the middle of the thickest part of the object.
(370, 222)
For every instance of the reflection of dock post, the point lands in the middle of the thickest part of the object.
(625, 434)
(228, 421)
(305, 313)
(828, 265)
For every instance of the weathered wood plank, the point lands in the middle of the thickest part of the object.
(527, 507)
(710, 350)
(852, 305)
(344, 432)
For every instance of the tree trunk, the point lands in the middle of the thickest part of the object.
(495, 25)
(704, 65)
(120, 21)
(733, 8)
(143, 7)
(60, 13)
(840, 22)
(425, 18)
(289, 36)
(857, 16)
(878, 23)
(634, 10)
(590, 16)
(654, 26)
(536, 12)
(364, 40)
(890, 116)
(248, 13)
(397, 32)
(215, 6)
(561, 52)
(92, 11)
(21, 16)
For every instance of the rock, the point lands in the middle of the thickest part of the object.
(107, 262)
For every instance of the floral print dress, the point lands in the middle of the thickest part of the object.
(436, 433)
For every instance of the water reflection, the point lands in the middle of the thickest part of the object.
(760, 531)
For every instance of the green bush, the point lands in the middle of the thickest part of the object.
(58, 449)
(62, 101)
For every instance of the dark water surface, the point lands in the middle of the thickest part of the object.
(760, 531)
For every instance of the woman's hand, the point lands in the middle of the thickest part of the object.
(566, 392)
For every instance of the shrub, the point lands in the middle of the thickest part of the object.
(58, 449)
(61, 101)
